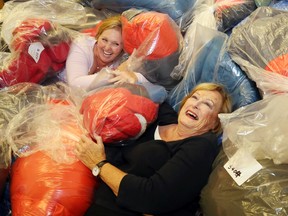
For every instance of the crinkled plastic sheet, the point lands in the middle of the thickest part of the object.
(213, 15)
(156, 93)
(260, 3)
(12, 101)
(208, 61)
(259, 128)
(35, 118)
(268, 83)
(174, 8)
(119, 114)
(222, 15)
(63, 12)
(202, 16)
(279, 4)
(265, 193)
(55, 129)
(229, 13)
(259, 46)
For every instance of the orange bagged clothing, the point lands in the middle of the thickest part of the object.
(159, 27)
(41, 186)
(47, 178)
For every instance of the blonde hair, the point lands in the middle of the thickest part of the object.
(109, 23)
(226, 100)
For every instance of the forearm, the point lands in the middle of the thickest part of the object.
(112, 176)
(83, 82)
(91, 153)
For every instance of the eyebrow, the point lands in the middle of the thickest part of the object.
(206, 99)
(112, 41)
(211, 101)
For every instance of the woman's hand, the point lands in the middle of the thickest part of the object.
(121, 77)
(89, 152)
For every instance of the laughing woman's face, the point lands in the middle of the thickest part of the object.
(200, 112)
(109, 45)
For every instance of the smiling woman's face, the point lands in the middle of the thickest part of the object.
(200, 111)
(109, 45)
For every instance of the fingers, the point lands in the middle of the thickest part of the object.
(83, 144)
(85, 139)
(123, 77)
(114, 79)
(99, 140)
(116, 72)
(118, 80)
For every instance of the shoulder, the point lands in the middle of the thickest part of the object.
(84, 40)
(207, 139)
(201, 144)
(205, 145)
(83, 46)
(167, 115)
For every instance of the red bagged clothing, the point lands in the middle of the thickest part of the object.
(39, 48)
(116, 114)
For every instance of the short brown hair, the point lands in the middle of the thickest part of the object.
(226, 100)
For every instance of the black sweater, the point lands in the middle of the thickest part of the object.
(165, 178)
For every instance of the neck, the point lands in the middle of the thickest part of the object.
(99, 63)
(176, 132)
(97, 66)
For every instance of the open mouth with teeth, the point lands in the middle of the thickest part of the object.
(192, 115)
(107, 53)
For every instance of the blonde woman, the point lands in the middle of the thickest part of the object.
(88, 55)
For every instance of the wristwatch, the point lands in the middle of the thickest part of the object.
(96, 170)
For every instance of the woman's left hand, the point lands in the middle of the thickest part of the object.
(90, 152)
(121, 77)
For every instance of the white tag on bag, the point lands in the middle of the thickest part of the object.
(241, 166)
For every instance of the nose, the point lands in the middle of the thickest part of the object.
(196, 105)
(107, 47)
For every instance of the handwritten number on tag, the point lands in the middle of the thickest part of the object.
(236, 172)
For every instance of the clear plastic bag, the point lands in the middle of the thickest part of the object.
(221, 15)
(39, 49)
(206, 60)
(259, 128)
(265, 193)
(40, 118)
(53, 128)
(118, 113)
(154, 42)
(174, 8)
(13, 99)
(279, 4)
(259, 47)
(229, 13)
(155, 92)
(65, 12)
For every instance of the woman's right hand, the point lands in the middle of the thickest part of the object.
(90, 152)
(121, 77)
